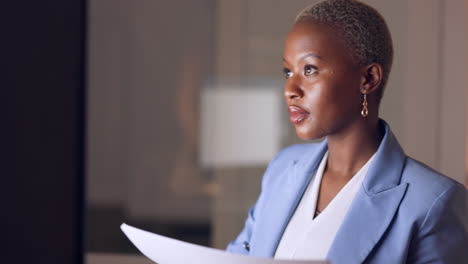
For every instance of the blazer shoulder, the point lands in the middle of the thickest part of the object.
(427, 187)
(438, 207)
(297, 151)
(294, 153)
(424, 177)
(287, 156)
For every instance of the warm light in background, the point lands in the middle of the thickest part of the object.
(235, 119)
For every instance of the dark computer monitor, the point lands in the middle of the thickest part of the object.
(42, 98)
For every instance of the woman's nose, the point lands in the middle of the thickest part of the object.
(292, 90)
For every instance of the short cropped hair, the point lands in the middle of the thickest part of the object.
(362, 28)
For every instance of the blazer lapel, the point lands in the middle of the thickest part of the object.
(374, 206)
(282, 204)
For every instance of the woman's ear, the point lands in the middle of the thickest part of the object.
(371, 78)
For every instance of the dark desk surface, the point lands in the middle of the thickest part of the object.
(105, 258)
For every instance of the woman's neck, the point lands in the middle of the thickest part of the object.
(349, 150)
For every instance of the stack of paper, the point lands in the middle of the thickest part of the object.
(164, 250)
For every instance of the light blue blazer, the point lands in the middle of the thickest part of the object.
(405, 212)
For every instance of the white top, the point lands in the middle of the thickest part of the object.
(307, 238)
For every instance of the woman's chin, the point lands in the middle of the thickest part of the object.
(306, 133)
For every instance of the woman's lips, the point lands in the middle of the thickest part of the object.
(297, 114)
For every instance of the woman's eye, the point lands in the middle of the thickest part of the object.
(287, 73)
(309, 70)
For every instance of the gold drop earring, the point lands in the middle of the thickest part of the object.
(364, 111)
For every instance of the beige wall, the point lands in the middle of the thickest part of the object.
(435, 94)
(147, 63)
(452, 91)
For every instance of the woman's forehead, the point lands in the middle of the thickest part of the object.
(318, 39)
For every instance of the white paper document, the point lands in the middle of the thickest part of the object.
(164, 250)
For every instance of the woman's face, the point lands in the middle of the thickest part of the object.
(322, 89)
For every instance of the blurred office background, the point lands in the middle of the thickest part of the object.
(184, 107)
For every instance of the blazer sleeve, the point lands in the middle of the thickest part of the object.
(443, 235)
(241, 245)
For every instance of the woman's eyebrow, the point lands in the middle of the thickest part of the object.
(308, 55)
